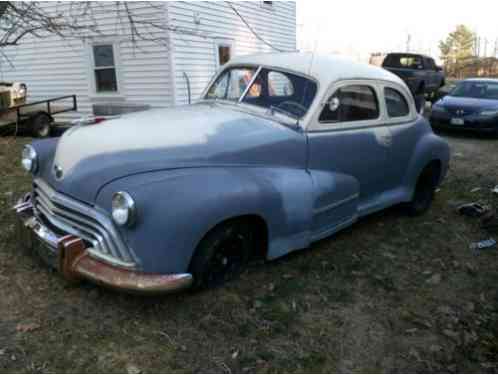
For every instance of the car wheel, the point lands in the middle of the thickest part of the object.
(222, 254)
(424, 191)
(42, 125)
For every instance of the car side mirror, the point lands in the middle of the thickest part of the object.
(439, 68)
(334, 104)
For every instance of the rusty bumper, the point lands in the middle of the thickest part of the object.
(71, 257)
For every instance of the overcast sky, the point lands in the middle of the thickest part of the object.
(359, 27)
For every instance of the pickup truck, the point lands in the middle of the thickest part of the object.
(419, 72)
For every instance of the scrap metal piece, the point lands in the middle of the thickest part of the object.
(485, 244)
(472, 209)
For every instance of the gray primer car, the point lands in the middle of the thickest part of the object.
(281, 150)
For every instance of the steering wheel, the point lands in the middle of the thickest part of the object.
(292, 104)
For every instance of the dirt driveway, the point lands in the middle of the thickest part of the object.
(391, 294)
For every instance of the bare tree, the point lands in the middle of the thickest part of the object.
(78, 19)
(19, 20)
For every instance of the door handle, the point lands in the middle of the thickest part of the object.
(386, 140)
(384, 137)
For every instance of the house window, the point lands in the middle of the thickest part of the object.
(105, 68)
(267, 4)
(224, 54)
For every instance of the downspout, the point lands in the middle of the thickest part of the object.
(187, 80)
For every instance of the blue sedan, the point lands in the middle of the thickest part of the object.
(472, 105)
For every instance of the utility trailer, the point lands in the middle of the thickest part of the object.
(36, 117)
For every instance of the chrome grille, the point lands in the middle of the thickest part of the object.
(457, 111)
(72, 217)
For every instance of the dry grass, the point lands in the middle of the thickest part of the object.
(357, 302)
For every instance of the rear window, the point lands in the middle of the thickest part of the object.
(396, 104)
(403, 61)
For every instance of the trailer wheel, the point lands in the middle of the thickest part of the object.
(42, 125)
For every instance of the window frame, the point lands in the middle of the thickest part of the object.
(93, 93)
(222, 43)
(386, 87)
(412, 115)
(317, 125)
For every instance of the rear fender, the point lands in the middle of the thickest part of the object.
(430, 147)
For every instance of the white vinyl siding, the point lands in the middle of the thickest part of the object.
(148, 73)
(196, 55)
(52, 67)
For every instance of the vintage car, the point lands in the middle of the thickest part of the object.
(472, 105)
(280, 151)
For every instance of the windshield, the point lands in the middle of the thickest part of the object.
(275, 90)
(476, 89)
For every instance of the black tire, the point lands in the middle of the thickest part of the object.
(424, 191)
(222, 254)
(42, 125)
(421, 89)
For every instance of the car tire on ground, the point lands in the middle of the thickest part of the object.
(42, 124)
(424, 191)
(222, 254)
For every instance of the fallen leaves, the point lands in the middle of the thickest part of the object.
(28, 327)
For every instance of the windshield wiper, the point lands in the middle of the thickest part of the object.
(272, 109)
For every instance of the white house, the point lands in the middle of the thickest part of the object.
(108, 72)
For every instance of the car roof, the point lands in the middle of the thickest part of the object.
(324, 68)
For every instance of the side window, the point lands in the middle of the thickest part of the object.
(351, 103)
(279, 85)
(396, 104)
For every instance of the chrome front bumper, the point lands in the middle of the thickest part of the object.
(74, 259)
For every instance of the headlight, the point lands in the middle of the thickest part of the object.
(489, 112)
(123, 209)
(22, 91)
(29, 159)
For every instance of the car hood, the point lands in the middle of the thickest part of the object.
(469, 105)
(181, 137)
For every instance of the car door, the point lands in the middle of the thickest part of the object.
(401, 119)
(348, 149)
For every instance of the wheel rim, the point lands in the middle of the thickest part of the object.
(228, 258)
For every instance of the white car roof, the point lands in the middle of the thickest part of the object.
(324, 68)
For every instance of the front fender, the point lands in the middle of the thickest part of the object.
(176, 209)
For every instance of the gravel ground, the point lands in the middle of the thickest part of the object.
(390, 294)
